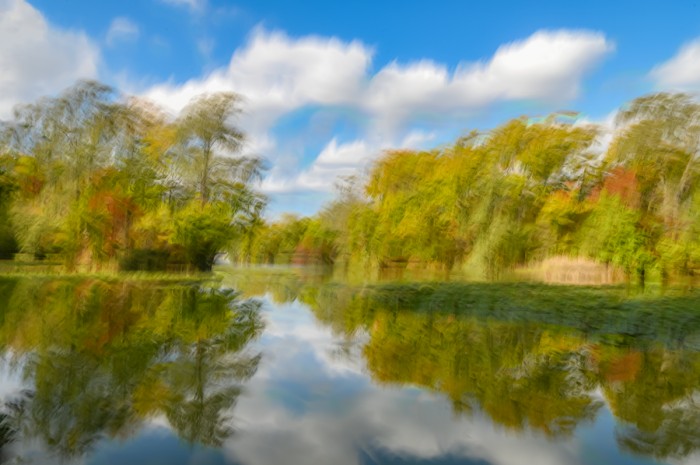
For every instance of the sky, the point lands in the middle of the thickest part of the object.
(327, 87)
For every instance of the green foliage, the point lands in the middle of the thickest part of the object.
(202, 231)
(273, 242)
(8, 243)
(612, 234)
(528, 190)
(319, 240)
(476, 202)
(96, 180)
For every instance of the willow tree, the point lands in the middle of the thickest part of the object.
(8, 243)
(215, 177)
(658, 143)
(94, 177)
(59, 145)
(211, 144)
(523, 165)
(416, 200)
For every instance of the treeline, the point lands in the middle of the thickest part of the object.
(525, 191)
(93, 179)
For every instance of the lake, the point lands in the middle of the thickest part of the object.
(292, 366)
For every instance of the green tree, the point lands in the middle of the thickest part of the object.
(658, 139)
(208, 142)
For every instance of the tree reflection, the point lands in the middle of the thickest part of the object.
(657, 403)
(535, 357)
(676, 437)
(201, 381)
(103, 357)
(522, 377)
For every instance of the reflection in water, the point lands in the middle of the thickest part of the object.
(98, 372)
(519, 376)
(531, 357)
(99, 359)
(659, 401)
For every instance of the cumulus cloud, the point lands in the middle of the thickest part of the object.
(548, 66)
(36, 58)
(277, 72)
(122, 30)
(278, 75)
(350, 154)
(681, 72)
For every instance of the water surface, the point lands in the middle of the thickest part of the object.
(284, 366)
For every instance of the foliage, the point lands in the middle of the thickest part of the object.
(96, 180)
(528, 190)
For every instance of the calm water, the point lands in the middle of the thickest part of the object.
(294, 368)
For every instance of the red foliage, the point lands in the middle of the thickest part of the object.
(622, 183)
(115, 209)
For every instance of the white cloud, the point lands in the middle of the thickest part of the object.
(340, 159)
(350, 154)
(416, 140)
(548, 65)
(122, 29)
(279, 75)
(37, 59)
(335, 160)
(682, 72)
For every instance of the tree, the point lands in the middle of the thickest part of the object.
(8, 243)
(208, 142)
(658, 140)
(218, 179)
(96, 178)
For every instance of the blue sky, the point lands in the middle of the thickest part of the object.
(329, 86)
